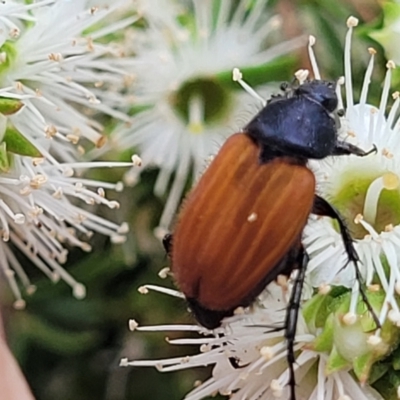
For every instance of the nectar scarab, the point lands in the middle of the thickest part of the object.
(241, 226)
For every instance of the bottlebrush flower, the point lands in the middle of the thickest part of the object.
(54, 67)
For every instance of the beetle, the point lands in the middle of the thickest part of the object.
(241, 226)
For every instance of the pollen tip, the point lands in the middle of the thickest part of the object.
(123, 229)
(276, 388)
(238, 311)
(79, 291)
(163, 273)
(349, 318)
(31, 289)
(374, 288)
(282, 281)
(119, 187)
(136, 161)
(101, 141)
(132, 325)
(266, 352)
(301, 75)
(395, 95)
(19, 304)
(124, 362)
(341, 80)
(390, 181)
(394, 317)
(358, 218)
(118, 239)
(374, 340)
(236, 75)
(311, 40)
(389, 228)
(324, 289)
(352, 22)
(143, 290)
(390, 64)
(371, 51)
(397, 287)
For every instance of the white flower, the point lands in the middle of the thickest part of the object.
(249, 358)
(189, 107)
(366, 192)
(51, 58)
(38, 216)
(54, 67)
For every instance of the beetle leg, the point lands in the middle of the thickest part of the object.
(167, 243)
(292, 314)
(344, 148)
(324, 208)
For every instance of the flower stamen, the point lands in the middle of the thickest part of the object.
(313, 60)
(388, 181)
(237, 77)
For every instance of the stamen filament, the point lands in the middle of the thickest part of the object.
(311, 42)
(351, 23)
(388, 181)
(237, 77)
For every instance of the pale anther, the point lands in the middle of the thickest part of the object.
(79, 291)
(136, 161)
(374, 340)
(374, 288)
(143, 290)
(124, 362)
(324, 288)
(349, 318)
(132, 324)
(358, 218)
(266, 352)
(352, 22)
(163, 273)
(301, 75)
(390, 64)
(388, 181)
(236, 75)
(19, 304)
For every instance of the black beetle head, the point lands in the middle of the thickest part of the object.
(322, 92)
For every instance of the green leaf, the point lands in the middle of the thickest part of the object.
(18, 144)
(9, 106)
(4, 161)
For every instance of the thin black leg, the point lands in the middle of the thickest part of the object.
(324, 208)
(292, 314)
(344, 148)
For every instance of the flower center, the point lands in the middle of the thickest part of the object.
(377, 200)
(201, 102)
